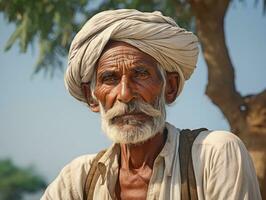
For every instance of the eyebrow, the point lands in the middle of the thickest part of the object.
(112, 68)
(100, 74)
(143, 63)
(138, 68)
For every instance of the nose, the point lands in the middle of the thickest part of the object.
(125, 94)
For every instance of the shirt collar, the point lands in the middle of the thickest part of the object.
(109, 161)
(169, 150)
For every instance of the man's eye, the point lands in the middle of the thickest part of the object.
(141, 73)
(109, 80)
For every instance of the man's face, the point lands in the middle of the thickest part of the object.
(129, 88)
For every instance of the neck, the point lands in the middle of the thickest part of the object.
(138, 156)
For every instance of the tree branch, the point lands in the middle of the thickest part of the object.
(221, 86)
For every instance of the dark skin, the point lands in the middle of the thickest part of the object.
(124, 73)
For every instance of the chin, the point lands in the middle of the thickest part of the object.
(131, 133)
(130, 129)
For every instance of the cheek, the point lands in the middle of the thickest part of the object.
(106, 95)
(100, 93)
(150, 90)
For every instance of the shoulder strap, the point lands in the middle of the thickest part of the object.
(92, 177)
(188, 181)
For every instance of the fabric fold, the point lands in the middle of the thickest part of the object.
(175, 49)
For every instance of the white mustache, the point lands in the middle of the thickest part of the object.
(120, 108)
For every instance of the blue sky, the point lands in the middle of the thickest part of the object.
(41, 124)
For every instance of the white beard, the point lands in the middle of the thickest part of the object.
(133, 131)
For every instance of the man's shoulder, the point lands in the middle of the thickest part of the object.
(71, 179)
(78, 167)
(218, 139)
(81, 163)
(83, 159)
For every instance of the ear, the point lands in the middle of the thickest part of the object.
(171, 89)
(92, 103)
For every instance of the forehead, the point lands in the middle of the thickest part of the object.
(118, 53)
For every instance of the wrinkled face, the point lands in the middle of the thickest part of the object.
(129, 89)
(125, 73)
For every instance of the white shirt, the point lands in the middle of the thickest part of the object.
(222, 166)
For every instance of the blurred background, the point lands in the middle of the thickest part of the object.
(42, 128)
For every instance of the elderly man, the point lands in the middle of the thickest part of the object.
(127, 65)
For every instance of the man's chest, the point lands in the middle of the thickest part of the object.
(133, 184)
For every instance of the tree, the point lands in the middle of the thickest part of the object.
(15, 181)
(246, 115)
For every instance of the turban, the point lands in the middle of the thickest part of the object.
(174, 48)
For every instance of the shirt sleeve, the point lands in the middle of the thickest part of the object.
(68, 185)
(232, 174)
(61, 187)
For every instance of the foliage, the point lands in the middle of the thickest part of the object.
(53, 23)
(50, 23)
(15, 181)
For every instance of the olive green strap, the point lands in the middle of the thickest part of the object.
(92, 177)
(188, 181)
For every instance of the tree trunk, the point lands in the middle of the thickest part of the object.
(246, 115)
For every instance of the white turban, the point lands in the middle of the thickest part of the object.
(175, 49)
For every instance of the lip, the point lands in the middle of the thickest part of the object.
(130, 116)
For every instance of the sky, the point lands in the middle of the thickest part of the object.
(43, 126)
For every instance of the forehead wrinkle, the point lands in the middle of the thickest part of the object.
(119, 54)
(116, 48)
(125, 57)
(116, 62)
(122, 59)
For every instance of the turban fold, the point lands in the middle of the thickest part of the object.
(174, 48)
